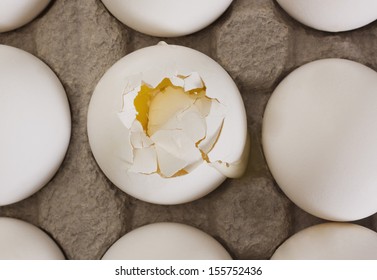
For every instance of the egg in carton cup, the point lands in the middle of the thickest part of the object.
(167, 18)
(167, 125)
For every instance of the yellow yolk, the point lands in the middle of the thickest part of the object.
(142, 103)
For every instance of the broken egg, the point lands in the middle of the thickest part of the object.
(14, 14)
(167, 18)
(167, 125)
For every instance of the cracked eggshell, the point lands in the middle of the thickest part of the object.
(332, 16)
(330, 241)
(167, 18)
(108, 136)
(14, 14)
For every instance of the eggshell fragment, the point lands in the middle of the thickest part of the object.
(214, 124)
(330, 241)
(177, 144)
(137, 136)
(168, 163)
(193, 81)
(144, 161)
(204, 106)
(194, 126)
(128, 114)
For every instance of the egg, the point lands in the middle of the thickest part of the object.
(23, 241)
(319, 138)
(167, 125)
(167, 18)
(14, 14)
(330, 241)
(166, 241)
(332, 16)
(35, 124)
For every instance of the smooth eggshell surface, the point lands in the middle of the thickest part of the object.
(320, 138)
(22, 241)
(166, 241)
(16, 13)
(35, 124)
(332, 16)
(108, 137)
(167, 18)
(330, 241)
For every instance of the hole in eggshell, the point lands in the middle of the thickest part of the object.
(172, 127)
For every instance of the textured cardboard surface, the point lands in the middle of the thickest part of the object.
(256, 42)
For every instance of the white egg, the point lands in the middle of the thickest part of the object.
(167, 18)
(166, 241)
(35, 124)
(16, 13)
(186, 131)
(320, 138)
(22, 241)
(330, 241)
(332, 16)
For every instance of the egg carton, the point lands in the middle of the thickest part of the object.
(257, 42)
